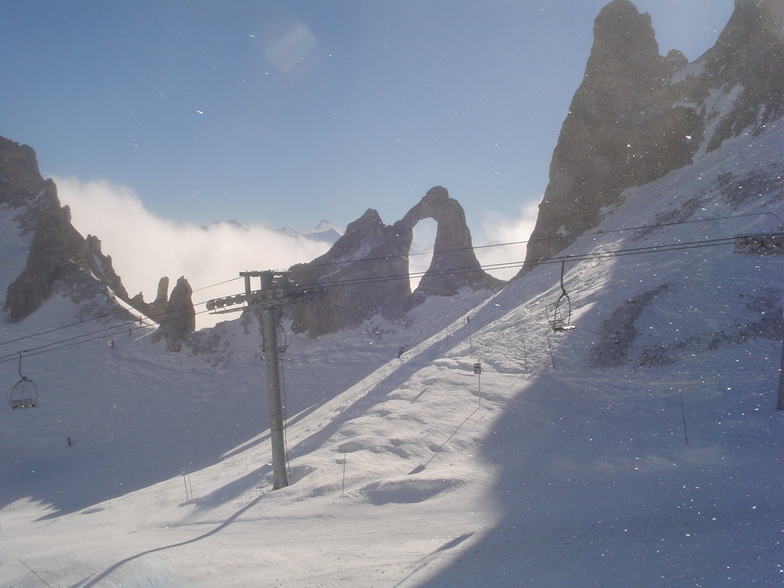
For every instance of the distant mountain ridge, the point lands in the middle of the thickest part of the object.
(325, 232)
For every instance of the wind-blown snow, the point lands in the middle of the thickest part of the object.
(565, 463)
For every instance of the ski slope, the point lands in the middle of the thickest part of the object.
(641, 448)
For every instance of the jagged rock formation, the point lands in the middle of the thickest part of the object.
(454, 264)
(158, 307)
(638, 115)
(60, 259)
(176, 316)
(367, 268)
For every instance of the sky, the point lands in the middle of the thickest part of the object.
(284, 114)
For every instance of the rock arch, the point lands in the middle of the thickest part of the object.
(366, 271)
(454, 264)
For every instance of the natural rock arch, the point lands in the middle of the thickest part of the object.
(454, 264)
(366, 271)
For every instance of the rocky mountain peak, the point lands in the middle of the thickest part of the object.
(454, 264)
(61, 260)
(638, 116)
(176, 315)
(624, 50)
(367, 268)
(19, 173)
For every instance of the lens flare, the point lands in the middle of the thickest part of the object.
(293, 51)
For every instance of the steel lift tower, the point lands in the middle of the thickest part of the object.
(275, 291)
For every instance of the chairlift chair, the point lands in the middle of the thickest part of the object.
(24, 394)
(559, 314)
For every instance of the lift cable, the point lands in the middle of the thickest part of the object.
(543, 239)
(103, 316)
(496, 266)
(124, 327)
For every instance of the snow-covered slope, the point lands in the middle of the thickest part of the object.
(641, 448)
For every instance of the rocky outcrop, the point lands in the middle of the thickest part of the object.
(175, 315)
(60, 259)
(638, 115)
(745, 67)
(20, 180)
(454, 264)
(363, 271)
(366, 271)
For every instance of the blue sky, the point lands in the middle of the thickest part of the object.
(156, 118)
(190, 104)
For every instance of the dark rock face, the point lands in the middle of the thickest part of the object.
(364, 261)
(454, 265)
(749, 57)
(60, 259)
(366, 271)
(21, 180)
(176, 316)
(638, 115)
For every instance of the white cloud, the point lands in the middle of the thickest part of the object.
(145, 247)
(497, 229)
(421, 253)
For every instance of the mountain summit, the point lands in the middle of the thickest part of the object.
(51, 256)
(638, 115)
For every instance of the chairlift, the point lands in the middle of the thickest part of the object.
(24, 393)
(559, 315)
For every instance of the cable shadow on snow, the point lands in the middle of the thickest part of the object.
(108, 571)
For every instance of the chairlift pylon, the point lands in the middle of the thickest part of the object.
(559, 315)
(24, 394)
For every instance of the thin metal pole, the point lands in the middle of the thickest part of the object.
(185, 482)
(269, 333)
(549, 347)
(683, 414)
(780, 405)
(343, 486)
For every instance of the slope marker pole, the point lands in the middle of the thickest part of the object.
(683, 414)
(550, 349)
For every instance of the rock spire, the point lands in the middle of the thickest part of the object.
(638, 115)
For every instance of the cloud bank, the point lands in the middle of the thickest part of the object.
(145, 247)
(504, 261)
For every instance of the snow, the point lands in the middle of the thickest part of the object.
(554, 467)
(718, 106)
(695, 69)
